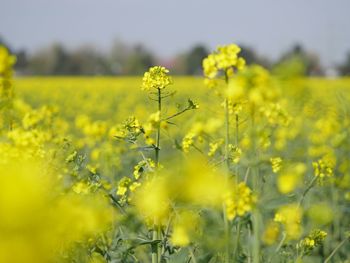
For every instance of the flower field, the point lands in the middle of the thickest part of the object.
(237, 165)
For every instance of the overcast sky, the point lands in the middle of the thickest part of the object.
(171, 26)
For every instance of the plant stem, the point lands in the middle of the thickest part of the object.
(256, 179)
(227, 236)
(256, 241)
(166, 235)
(158, 127)
(227, 140)
(280, 244)
(176, 114)
(154, 246)
(246, 175)
(307, 190)
(236, 249)
(192, 256)
(227, 137)
(335, 250)
(156, 227)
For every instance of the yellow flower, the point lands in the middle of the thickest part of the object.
(30, 193)
(81, 188)
(225, 59)
(290, 217)
(213, 147)
(187, 141)
(239, 201)
(123, 186)
(156, 78)
(314, 239)
(142, 166)
(235, 153)
(276, 164)
(323, 168)
(6, 63)
(290, 178)
(151, 199)
(271, 233)
(184, 228)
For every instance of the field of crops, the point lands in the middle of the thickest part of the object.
(234, 166)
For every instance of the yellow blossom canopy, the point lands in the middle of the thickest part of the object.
(225, 58)
(156, 78)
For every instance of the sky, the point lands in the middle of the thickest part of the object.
(168, 27)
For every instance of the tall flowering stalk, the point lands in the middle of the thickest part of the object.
(7, 62)
(222, 64)
(155, 81)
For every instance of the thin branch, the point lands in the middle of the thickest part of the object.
(335, 250)
(307, 190)
(176, 114)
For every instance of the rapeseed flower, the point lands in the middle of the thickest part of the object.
(156, 78)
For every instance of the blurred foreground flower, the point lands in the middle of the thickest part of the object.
(38, 222)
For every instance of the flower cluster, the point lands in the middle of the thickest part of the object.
(239, 201)
(271, 233)
(313, 240)
(184, 228)
(290, 217)
(127, 185)
(323, 168)
(156, 78)
(143, 166)
(6, 90)
(276, 164)
(6, 63)
(235, 153)
(224, 59)
(290, 177)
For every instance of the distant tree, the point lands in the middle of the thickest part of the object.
(344, 69)
(251, 56)
(194, 58)
(21, 65)
(179, 65)
(138, 61)
(53, 60)
(298, 62)
(117, 57)
(87, 60)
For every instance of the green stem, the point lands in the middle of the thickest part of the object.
(236, 142)
(256, 241)
(192, 256)
(158, 128)
(280, 244)
(166, 235)
(156, 252)
(227, 140)
(227, 236)
(236, 249)
(154, 245)
(335, 250)
(246, 175)
(176, 114)
(227, 137)
(256, 179)
(311, 184)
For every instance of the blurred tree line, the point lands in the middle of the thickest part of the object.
(123, 59)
